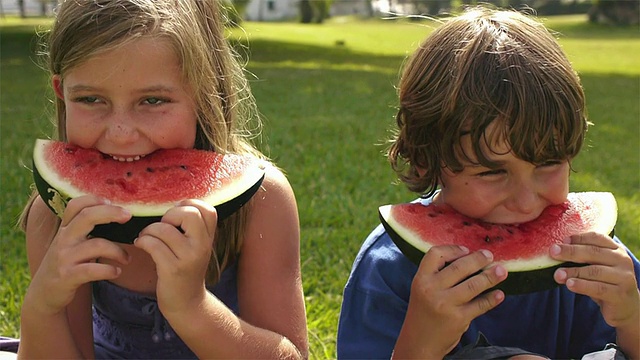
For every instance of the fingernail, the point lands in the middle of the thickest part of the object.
(570, 283)
(500, 271)
(561, 274)
(555, 249)
(487, 254)
(566, 240)
(464, 249)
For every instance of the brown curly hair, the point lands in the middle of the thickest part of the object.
(482, 67)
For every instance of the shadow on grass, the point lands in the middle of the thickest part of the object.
(587, 30)
(269, 51)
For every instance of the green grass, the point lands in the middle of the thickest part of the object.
(327, 96)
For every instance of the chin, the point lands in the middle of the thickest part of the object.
(512, 219)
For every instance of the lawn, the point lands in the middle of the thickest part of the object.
(327, 96)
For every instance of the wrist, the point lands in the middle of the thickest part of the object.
(187, 311)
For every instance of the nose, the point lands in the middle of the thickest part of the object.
(523, 197)
(122, 130)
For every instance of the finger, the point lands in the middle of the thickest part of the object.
(464, 267)
(483, 303)
(439, 256)
(592, 238)
(156, 245)
(475, 285)
(586, 253)
(95, 248)
(592, 289)
(599, 273)
(75, 205)
(191, 221)
(82, 218)
(208, 213)
(88, 272)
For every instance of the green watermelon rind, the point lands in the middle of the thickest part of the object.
(56, 193)
(525, 276)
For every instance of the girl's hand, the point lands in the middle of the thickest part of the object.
(444, 300)
(70, 260)
(181, 245)
(608, 279)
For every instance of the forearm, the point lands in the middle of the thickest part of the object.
(211, 330)
(43, 336)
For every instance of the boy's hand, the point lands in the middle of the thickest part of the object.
(181, 245)
(608, 279)
(444, 300)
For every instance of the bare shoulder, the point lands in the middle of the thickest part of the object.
(274, 212)
(275, 193)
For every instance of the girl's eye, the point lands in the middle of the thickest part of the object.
(87, 99)
(154, 101)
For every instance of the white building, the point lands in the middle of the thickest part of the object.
(271, 10)
(31, 7)
(276, 10)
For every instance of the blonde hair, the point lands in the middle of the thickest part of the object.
(485, 67)
(226, 110)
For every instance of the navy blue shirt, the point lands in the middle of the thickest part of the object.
(556, 323)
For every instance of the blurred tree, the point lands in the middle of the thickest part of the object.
(23, 11)
(306, 11)
(314, 11)
(617, 12)
(235, 11)
(431, 7)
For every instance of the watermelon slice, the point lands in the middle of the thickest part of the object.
(147, 187)
(521, 248)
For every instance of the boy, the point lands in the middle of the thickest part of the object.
(490, 116)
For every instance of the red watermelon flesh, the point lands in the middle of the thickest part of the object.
(146, 180)
(147, 187)
(519, 247)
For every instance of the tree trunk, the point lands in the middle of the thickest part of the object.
(616, 12)
(306, 12)
(23, 12)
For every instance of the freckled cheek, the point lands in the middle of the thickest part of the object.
(79, 123)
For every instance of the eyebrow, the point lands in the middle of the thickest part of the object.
(149, 89)
(80, 88)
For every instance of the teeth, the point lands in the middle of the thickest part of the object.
(127, 159)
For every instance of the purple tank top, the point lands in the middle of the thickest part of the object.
(127, 325)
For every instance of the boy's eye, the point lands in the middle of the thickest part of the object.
(491, 172)
(550, 163)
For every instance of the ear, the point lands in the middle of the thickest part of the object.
(56, 84)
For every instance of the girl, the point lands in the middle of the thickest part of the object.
(491, 115)
(132, 77)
